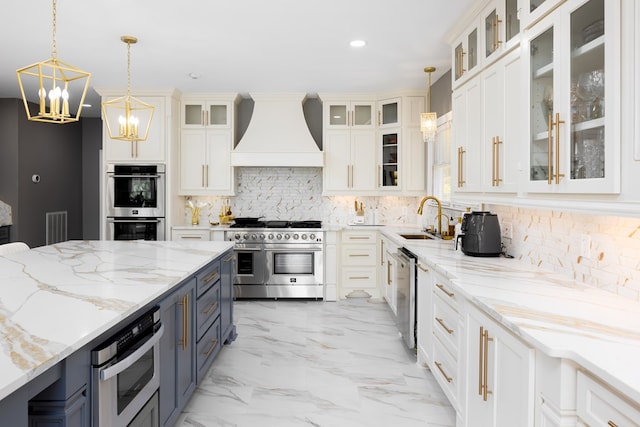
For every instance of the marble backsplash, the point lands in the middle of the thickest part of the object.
(5, 214)
(296, 194)
(555, 240)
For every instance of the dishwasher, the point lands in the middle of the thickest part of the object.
(406, 276)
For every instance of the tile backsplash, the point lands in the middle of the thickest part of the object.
(602, 251)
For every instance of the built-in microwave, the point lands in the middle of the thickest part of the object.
(136, 191)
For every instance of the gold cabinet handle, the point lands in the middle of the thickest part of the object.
(549, 150)
(388, 273)
(557, 171)
(379, 175)
(485, 357)
(212, 307)
(213, 275)
(480, 363)
(358, 277)
(444, 374)
(426, 270)
(461, 152)
(381, 252)
(191, 237)
(496, 35)
(461, 69)
(213, 345)
(207, 175)
(185, 322)
(441, 322)
(496, 161)
(443, 289)
(358, 238)
(612, 424)
(202, 176)
(358, 255)
(493, 161)
(379, 118)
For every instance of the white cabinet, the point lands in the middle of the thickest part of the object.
(205, 162)
(387, 274)
(389, 164)
(358, 266)
(500, 375)
(465, 55)
(424, 313)
(574, 122)
(501, 28)
(206, 143)
(532, 10)
(153, 149)
(389, 113)
(467, 137)
(350, 161)
(598, 406)
(348, 114)
(502, 95)
(448, 346)
(330, 265)
(178, 233)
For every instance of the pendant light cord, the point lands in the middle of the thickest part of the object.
(128, 70)
(53, 47)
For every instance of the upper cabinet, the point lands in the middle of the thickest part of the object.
(574, 121)
(532, 10)
(464, 55)
(349, 114)
(198, 113)
(501, 28)
(389, 112)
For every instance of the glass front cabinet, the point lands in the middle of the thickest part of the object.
(574, 123)
(501, 26)
(200, 114)
(388, 168)
(465, 58)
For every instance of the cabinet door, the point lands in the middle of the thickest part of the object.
(362, 115)
(501, 86)
(218, 114)
(576, 148)
(532, 10)
(218, 171)
(424, 312)
(226, 297)
(500, 375)
(388, 169)
(337, 161)
(192, 161)
(466, 55)
(150, 150)
(467, 133)
(389, 113)
(363, 160)
(501, 26)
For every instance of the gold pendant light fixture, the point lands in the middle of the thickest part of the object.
(60, 88)
(429, 120)
(127, 118)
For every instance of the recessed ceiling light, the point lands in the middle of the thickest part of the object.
(357, 43)
(194, 76)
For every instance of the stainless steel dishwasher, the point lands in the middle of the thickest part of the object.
(406, 295)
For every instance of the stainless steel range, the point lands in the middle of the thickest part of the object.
(278, 259)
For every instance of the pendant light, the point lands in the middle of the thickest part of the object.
(429, 120)
(127, 118)
(61, 88)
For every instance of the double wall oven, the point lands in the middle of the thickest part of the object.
(278, 259)
(135, 202)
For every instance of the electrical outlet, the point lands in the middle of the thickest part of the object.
(585, 246)
(507, 230)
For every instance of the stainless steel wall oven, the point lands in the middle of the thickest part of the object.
(126, 375)
(136, 202)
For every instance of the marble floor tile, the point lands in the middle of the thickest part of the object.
(308, 363)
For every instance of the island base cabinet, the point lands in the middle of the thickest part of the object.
(177, 352)
(500, 379)
(73, 412)
(598, 406)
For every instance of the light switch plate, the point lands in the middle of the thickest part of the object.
(507, 230)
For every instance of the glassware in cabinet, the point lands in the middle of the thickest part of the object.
(389, 169)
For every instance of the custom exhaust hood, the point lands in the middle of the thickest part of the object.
(277, 134)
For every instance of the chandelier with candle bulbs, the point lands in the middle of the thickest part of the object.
(127, 118)
(60, 88)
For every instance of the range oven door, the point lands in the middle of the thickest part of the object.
(250, 264)
(136, 190)
(125, 387)
(292, 264)
(135, 229)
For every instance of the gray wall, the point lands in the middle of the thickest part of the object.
(91, 170)
(52, 151)
(441, 94)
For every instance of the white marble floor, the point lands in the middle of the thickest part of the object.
(308, 363)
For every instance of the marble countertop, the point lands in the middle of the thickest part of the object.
(598, 330)
(55, 299)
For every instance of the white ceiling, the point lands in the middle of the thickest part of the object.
(234, 45)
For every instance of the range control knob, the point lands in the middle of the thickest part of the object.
(279, 236)
(304, 237)
(262, 236)
(254, 237)
(245, 237)
(312, 237)
(270, 236)
(295, 236)
(237, 236)
(287, 236)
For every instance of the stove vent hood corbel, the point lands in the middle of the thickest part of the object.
(277, 135)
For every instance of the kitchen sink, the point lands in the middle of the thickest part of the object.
(417, 236)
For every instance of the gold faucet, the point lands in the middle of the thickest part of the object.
(439, 216)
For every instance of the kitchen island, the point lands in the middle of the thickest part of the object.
(57, 299)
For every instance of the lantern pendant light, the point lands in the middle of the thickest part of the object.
(429, 120)
(127, 118)
(61, 88)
